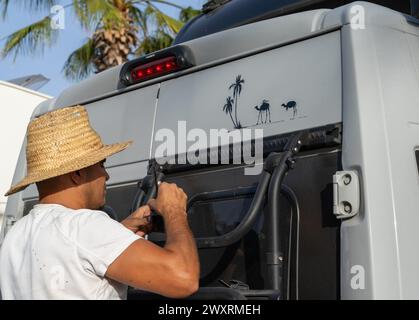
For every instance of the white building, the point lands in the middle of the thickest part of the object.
(18, 104)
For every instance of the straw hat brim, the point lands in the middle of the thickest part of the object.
(73, 165)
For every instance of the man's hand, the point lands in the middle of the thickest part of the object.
(170, 200)
(139, 221)
(173, 270)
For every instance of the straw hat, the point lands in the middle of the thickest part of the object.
(60, 142)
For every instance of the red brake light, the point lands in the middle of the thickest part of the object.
(154, 69)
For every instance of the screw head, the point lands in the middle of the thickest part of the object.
(347, 207)
(291, 163)
(346, 179)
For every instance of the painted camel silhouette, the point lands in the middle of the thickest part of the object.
(264, 108)
(291, 105)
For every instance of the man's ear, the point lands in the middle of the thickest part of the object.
(78, 177)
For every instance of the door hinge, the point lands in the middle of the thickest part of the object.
(346, 194)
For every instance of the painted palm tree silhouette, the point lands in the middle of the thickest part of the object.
(264, 108)
(291, 105)
(228, 108)
(237, 89)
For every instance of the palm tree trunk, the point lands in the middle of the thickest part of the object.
(112, 46)
(232, 120)
(235, 111)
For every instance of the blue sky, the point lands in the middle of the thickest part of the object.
(50, 63)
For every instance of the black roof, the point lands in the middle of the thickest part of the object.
(220, 15)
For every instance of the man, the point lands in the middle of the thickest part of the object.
(65, 248)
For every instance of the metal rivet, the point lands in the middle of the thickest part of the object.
(346, 179)
(347, 207)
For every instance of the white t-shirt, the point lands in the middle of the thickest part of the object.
(59, 253)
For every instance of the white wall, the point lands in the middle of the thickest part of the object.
(17, 104)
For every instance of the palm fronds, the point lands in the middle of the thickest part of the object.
(165, 20)
(169, 3)
(188, 13)
(119, 28)
(153, 43)
(93, 12)
(4, 4)
(30, 39)
(79, 63)
(27, 4)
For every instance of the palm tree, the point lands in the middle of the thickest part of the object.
(161, 37)
(114, 27)
(237, 89)
(228, 108)
(188, 13)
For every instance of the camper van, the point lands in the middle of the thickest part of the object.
(20, 103)
(326, 93)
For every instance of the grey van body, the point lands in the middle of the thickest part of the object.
(362, 81)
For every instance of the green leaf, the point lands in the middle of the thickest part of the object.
(33, 5)
(174, 24)
(38, 4)
(79, 64)
(188, 13)
(154, 43)
(140, 18)
(29, 39)
(4, 4)
(169, 3)
(92, 13)
(81, 11)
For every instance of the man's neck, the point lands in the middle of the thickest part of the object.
(68, 201)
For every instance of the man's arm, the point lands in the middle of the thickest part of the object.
(172, 271)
